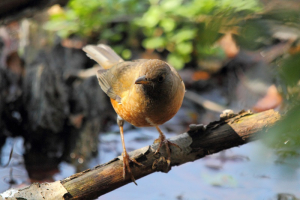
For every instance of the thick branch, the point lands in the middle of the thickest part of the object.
(231, 131)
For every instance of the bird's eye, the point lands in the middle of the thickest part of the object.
(161, 78)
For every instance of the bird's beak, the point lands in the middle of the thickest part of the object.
(142, 80)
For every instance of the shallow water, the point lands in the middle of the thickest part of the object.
(246, 172)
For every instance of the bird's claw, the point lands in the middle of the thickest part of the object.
(126, 166)
(167, 144)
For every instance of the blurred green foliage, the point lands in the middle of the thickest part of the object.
(185, 29)
(284, 137)
(190, 29)
(104, 19)
(256, 33)
(280, 25)
(85, 18)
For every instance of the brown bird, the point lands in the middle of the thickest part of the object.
(145, 92)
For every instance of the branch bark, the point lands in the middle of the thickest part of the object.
(232, 130)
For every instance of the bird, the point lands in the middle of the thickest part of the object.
(143, 92)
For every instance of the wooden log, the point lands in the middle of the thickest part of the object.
(232, 130)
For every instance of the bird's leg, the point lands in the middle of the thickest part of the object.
(163, 140)
(126, 158)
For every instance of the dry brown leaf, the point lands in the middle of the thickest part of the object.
(270, 101)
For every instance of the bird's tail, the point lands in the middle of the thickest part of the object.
(102, 54)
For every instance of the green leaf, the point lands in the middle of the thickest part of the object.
(168, 24)
(252, 5)
(184, 48)
(175, 60)
(183, 35)
(170, 5)
(115, 37)
(153, 43)
(290, 70)
(152, 17)
(126, 54)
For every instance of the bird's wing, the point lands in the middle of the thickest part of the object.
(119, 79)
(103, 54)
(106, 86)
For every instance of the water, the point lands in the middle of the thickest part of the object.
(15, 174)
(246, 172)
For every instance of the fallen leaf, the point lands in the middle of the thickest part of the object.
(228, 44)
(200, 75)
(270, 101)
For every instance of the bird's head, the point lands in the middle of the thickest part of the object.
(158, 79)
(154, 73)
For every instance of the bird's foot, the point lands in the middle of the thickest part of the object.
(126, 166)
(167, 143)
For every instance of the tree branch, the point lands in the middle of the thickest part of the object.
(232, 130)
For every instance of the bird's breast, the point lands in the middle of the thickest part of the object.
(141, 110)
(132, 111)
